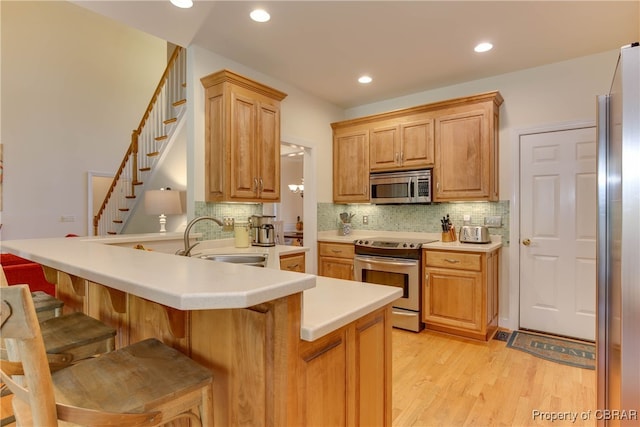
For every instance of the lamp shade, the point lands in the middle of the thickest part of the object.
(158, 202)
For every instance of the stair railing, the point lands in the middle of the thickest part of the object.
(148, 141)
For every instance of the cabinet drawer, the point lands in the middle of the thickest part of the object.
(293, 262)
(457, 260)
(336, 250)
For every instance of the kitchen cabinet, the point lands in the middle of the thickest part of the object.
(242, 139)
(466, 150)
(293, 262)
(346, 377)
(460, 292)
(458, 138)
(351, 165)
(402, 144)
(336, 260)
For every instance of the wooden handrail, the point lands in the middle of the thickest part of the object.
(133, 147)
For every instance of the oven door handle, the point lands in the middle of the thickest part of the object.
(386, 261)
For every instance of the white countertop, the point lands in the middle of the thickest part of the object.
(334, 303)
(193, 284)
(180, 282)
(332, 236)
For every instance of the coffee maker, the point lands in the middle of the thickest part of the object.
(262, 230)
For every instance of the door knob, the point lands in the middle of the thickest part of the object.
(526, 242)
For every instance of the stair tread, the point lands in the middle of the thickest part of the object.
(180, 102)
(123, 209)
(145, 169)
(161, 138)
(131, 197)
(111, 232)
(137, 183)
(117, 221)
(169, 121)
(153, 154)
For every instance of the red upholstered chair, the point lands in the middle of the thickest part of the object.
(19, 270)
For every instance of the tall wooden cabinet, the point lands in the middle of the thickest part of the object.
(460, 294)
(467, 161)
(351, 165)
(242, 139)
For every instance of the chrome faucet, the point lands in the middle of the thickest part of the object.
(187, 249)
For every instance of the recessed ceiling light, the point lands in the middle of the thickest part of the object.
(365, 79)
(183, 4)
(260, 15)
(483, 47)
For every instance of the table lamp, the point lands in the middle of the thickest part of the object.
(162, 202)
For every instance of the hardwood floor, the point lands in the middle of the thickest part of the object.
(439, 380)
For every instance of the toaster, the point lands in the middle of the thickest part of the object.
(474, 234)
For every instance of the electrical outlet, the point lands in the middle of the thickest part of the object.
(229, 223)
(67, 218)
(365, 219)
(466, 218)
(493, 221)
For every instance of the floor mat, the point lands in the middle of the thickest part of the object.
(568, 352)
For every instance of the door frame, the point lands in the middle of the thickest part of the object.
(513, 321)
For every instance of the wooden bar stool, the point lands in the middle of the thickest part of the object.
(147, 383)
(72, 336)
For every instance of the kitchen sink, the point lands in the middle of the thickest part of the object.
(257, 260)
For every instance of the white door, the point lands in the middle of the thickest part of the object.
(558, 232)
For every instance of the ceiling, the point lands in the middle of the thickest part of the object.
(322, 47)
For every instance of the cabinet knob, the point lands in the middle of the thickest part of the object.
(526, 242)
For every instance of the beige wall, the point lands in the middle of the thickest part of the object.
(74, 86)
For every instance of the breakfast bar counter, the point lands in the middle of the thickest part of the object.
(270, 337)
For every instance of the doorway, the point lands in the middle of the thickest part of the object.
(557, 244)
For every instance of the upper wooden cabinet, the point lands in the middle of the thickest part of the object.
(351, 165)
(402, 144)
(466, 140)
(242, 139)
(458, 138)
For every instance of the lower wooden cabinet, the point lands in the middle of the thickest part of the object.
(346, 376)
(336, 260)
(293, 262)
(460, 294)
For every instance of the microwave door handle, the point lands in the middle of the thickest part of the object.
(411, 189)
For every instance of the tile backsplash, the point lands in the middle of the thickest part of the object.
(421, 218)
(238, 211)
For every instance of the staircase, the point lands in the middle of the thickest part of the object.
(149, 141)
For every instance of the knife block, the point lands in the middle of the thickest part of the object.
(449, 236)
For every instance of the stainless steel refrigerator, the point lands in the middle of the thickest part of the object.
(618, 310)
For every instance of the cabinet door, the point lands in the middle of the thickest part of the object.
(417, 149)
(351, 167)
(244, 158)
(384, 150)
(338, 268)
(323, 375)
(268, 146)
(463, 157)
(453, 298)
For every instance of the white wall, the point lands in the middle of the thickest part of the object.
(74, 86)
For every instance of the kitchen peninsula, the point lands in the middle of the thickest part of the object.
(285, 348)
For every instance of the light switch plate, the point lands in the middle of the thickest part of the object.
(493, 221)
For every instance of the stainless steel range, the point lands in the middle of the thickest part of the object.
(394, 262)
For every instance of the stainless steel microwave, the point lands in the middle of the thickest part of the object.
(401, 187)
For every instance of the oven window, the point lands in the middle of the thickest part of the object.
(385, 191)
(387, 278)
